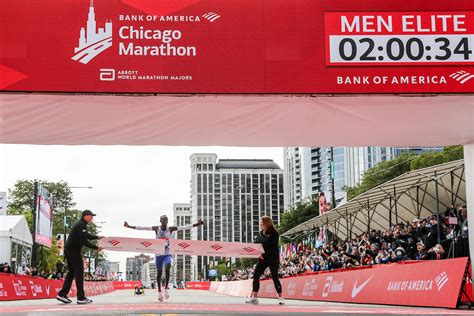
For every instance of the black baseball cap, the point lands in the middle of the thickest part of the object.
(87, 212)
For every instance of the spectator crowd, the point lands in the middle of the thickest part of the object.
(415, 240)
(50, 275)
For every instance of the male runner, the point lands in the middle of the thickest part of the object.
(164, 232)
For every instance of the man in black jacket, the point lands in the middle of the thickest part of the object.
(78, 237)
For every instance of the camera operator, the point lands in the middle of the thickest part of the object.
(432, 236)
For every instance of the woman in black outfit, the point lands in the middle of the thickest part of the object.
(268, 237)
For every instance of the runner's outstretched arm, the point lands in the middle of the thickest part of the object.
(125, 224)
(187, 227)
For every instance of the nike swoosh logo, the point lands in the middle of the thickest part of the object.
(356, 289)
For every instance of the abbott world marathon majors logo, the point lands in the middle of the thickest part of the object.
(92, 41)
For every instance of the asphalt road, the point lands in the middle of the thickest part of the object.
(191, 302)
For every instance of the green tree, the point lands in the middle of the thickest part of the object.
(429, 159)
(298, 214)
(382, 172)
(21, 202)
(408, 161)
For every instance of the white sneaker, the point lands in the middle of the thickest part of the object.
(84, 301)
(160, 297)
(167, 296)
(252, 300)
(63, 299)
(281, 301)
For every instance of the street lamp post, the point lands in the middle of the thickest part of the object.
(333, 175)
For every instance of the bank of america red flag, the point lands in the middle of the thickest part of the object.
(183, 247)
(237, 46)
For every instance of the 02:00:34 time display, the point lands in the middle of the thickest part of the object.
(426, 48)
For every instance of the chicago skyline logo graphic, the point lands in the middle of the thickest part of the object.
(92, 41)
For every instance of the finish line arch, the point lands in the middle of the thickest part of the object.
(247, 73)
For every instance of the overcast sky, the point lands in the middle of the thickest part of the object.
(133, 183)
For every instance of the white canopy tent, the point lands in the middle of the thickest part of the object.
(16, 241)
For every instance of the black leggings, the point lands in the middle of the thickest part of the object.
(260, 269)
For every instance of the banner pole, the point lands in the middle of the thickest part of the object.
(469, 176)
(463, 292)
(34, 248)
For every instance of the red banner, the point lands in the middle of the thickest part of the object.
(125, 285)
(198, 285)
(427, 283)
(239, 46)
(19, 287)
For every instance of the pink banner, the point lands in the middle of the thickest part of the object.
(183, 247)
(427, 283)
(20, 287)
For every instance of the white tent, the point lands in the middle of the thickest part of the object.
(14, 235)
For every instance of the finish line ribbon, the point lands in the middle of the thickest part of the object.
(183, 247)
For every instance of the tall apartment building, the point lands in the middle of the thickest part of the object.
(181, 263)
(308, 169)
(231, 195)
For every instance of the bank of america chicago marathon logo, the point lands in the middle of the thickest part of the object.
(462, 76)
(93, 40)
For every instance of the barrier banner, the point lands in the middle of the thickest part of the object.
(232, 288)
(183, 247)
(427, 283)
(19, 287)
(245, 46)
(198, 285)
(125, 285)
